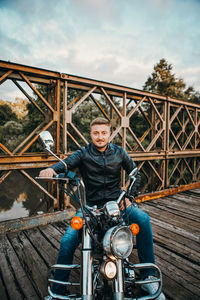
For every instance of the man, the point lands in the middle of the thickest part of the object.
(100, 164)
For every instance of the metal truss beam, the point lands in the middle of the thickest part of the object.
(168, 144)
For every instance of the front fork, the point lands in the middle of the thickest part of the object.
(86, 271)
(86, 266)
(119, 281)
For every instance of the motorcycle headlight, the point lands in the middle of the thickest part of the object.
(108, 269)
(118, 241)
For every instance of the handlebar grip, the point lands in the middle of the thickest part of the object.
(60, 175)
(71, 175)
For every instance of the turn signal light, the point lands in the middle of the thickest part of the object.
(135, 228)
(77, 223)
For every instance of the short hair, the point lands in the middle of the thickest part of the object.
(100, 121)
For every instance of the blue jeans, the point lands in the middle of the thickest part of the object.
(144, 242)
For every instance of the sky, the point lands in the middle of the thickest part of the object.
(117, 41)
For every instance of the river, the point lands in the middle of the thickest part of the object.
(21, 198)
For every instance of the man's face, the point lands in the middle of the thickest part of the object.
(100, 136)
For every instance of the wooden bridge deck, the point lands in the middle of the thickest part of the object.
(25, 256)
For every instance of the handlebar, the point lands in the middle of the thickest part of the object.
(53, 179)
(70, 176)
(62, 177)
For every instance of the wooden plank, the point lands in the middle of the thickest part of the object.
(52, 234)
(3, 293)
(176, 243)
(171, 266)
(32, 262)
(23, 282)
(47, 252)
(185, 265)
(35, 221)
(184, 205)
(61, 226)
(176, 210)
(175, 220)
(192, 195)
(7, 275)
(178, 206)
(175, 291)
(195, 192)
(179, 200)
(182, 201)
(177, 230)
(189, 199)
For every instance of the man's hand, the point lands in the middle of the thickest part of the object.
(49, 172)
(128, 203)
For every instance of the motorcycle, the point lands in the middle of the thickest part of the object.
(107, 243)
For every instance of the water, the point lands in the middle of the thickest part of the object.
(21, 198)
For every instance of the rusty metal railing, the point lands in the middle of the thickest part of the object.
(160, 133)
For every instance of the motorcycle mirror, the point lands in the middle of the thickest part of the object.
(47, 141)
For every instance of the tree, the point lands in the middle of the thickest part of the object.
(6, 114)
(10, 127)
(162, 81)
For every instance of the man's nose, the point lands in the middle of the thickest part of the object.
(100, 136)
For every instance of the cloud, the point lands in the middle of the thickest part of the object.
(190, 75)
(109, 40)
(100, 11)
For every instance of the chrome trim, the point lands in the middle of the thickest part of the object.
(108, 241)
(64, 282)
(65, 267)
(55, 296)
(123, 193)
(140, 282)
(119, 281)
(86, 265)
(111, 209)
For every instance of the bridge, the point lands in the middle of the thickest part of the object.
(161, 134)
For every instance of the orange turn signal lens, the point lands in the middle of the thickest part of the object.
(135, 228)
(77, 223)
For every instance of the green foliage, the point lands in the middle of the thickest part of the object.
(162, 81)
(6, 114)
(11, 133)
(11, 128)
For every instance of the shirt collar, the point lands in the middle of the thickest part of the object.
(95, 151)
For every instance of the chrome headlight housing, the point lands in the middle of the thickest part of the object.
(118, 242)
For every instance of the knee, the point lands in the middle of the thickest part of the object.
(145, 219)
(140, 217)
(69, 242)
